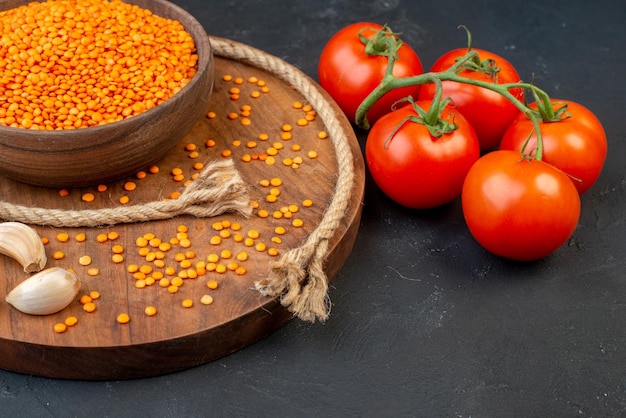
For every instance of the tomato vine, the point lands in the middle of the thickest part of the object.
(545, 110)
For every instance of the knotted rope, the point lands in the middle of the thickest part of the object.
(298, 278)
(218, 189)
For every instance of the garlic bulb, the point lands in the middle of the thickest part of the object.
(46, 292)
(21, 242)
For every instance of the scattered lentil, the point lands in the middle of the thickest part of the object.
(85, 299)
(206, 299)
(59, 327)
(123, 318)
(89, 307)
(70, 321)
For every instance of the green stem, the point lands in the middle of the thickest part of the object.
(390, 82)
(432, 116)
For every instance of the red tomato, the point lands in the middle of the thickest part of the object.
(519, 208)
(350, 75)
(489, 112)
(414, 168)
(577, 145)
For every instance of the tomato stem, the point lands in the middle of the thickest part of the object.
(390, 83)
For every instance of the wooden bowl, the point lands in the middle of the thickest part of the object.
(101, 154)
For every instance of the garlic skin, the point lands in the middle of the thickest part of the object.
(22, 243)
(46, 292)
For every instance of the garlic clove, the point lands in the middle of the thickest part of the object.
(46, 292)
(22, 243)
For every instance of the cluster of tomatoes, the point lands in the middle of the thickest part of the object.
(437, 139)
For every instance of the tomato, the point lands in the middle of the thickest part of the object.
(349, 74)
(519, 208)
(577, 145)
(489, 112)
(414, 168)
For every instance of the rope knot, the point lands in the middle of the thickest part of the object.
(218, 189)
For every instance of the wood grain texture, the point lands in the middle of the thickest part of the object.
(176, 338)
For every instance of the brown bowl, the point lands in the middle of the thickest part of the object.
(101, 154)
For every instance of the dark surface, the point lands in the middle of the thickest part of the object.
(424, 322)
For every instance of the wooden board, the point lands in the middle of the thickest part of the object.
(177, 338)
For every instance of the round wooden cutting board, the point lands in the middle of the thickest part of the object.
(177, 337)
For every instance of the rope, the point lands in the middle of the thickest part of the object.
(298, 278)
(218, 189)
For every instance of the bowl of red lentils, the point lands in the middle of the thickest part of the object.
(95, 90)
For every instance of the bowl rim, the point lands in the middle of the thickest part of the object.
(202, 44)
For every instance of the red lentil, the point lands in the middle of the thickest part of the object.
(84, 260)
(83, 62)
(206, 299)
(85, 299)
(89, 307)
(123, 318)
(70, 321)
(59, 328)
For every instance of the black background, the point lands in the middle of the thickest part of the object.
(424, 321)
